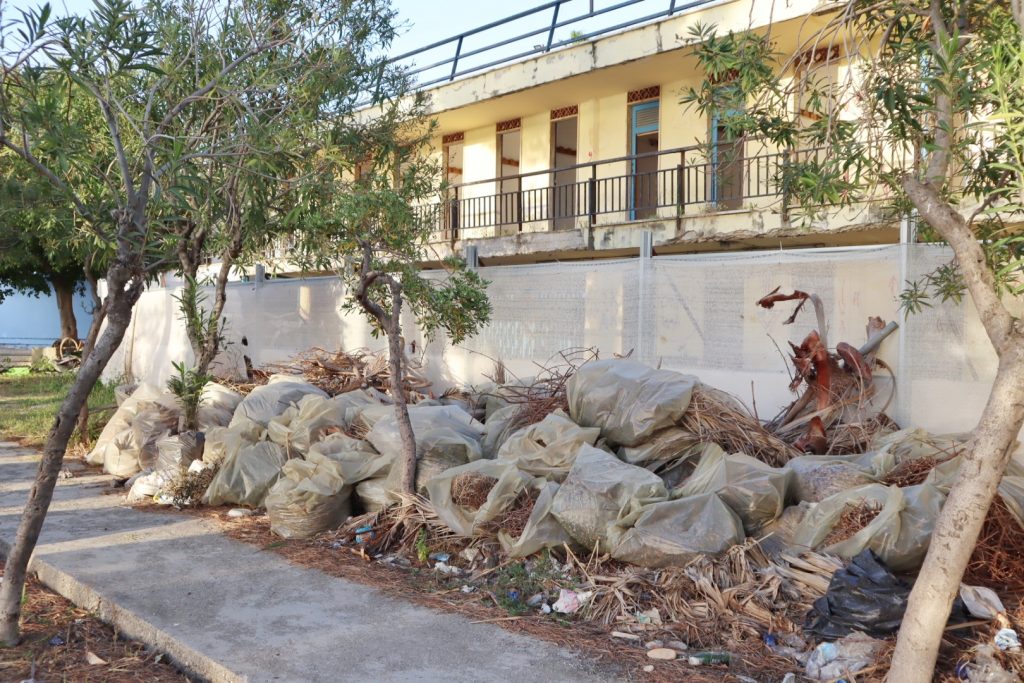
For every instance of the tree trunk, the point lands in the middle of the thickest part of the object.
(120, 303)
(958, 526)
(395, 357)
(99, 314)
(64, 293)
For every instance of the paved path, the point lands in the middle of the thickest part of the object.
(227, 611)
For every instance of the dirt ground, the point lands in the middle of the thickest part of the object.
(63, 642)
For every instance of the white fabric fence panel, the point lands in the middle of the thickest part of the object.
(695, 314)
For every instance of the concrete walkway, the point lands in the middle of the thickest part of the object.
(227, 611)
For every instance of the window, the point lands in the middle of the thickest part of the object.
(816, 75)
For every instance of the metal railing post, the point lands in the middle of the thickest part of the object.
(592, 194)
(455, 63)
(554, 24)
(519, 201)
(681, 182)
(785, 184)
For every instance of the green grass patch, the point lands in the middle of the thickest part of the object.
(29, 403)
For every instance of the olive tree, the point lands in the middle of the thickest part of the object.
(929, 121)
(151, 81)
(371, 218)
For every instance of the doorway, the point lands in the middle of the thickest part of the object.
(644, 146)
(564, 158)
(726, 187)
(509, 183)
(453, 174)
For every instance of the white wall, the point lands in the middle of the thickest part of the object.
(34, 320)
(696, 314)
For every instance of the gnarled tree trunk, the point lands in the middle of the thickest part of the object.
(125, 290)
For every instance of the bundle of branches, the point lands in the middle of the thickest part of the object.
(998, 559)
(715, 416)
(547, 392)
(836, 412)
(342, 371)
(855, 516)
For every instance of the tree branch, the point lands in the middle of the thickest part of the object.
(969, 255)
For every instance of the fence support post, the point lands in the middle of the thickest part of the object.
(259, 276)
(643, 354)
(472, 257)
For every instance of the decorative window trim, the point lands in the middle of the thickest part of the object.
(565, 112)
(652, 92)
(452, 137)
(511, 124)
(816, 56)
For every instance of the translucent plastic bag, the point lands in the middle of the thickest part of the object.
(542, 530)
(509, 481)
(217, 406)
(816, 477)
(547, 449)
(221, 442)
(755, 491)
(308, 498)
(899, 534)
(674, 532)
(117, 435)
(628, 400)
(264, 403)
(498, 429)
(665, 448)
(245, 477)
(600, 491)
(302, 425)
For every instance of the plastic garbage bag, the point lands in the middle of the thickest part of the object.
(177, 452)
(220, 442)
(628, 400)
(264, 403)
(542, 530)
(217, 406)
(146, 485)
(302, 425)
(833, 661)
(547, 449)
(600, 491)
(509, 481)
(446, 437)
(663, 449)
(123, 392)
(375, 494)
(816, 477)
(752, 489)
(674, 532)
(911, 444)
(308, 498)
(117, 448)
(899, 534)
(862, 596)
(498, 428)
(245, 476)
(357, 459)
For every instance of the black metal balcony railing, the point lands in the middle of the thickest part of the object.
(640, 187)
(465, 60)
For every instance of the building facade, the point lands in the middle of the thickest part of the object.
(578, 151)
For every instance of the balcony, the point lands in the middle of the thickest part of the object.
(658, 186)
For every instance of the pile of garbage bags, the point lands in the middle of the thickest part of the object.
(617, 472)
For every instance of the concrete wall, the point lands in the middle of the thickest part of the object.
(695, 314)
(34, 320)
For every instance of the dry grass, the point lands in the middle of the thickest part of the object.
(910, 472)
(715, 416)
(515, 517)
(470, 489)
(188, 488)
(855, 516)
(998, 559)
(47, 616)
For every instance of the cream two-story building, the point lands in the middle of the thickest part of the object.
(575, 150)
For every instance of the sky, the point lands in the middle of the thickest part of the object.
(429, 21)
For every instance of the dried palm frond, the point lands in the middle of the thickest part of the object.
(470, 489)
(715, 416)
